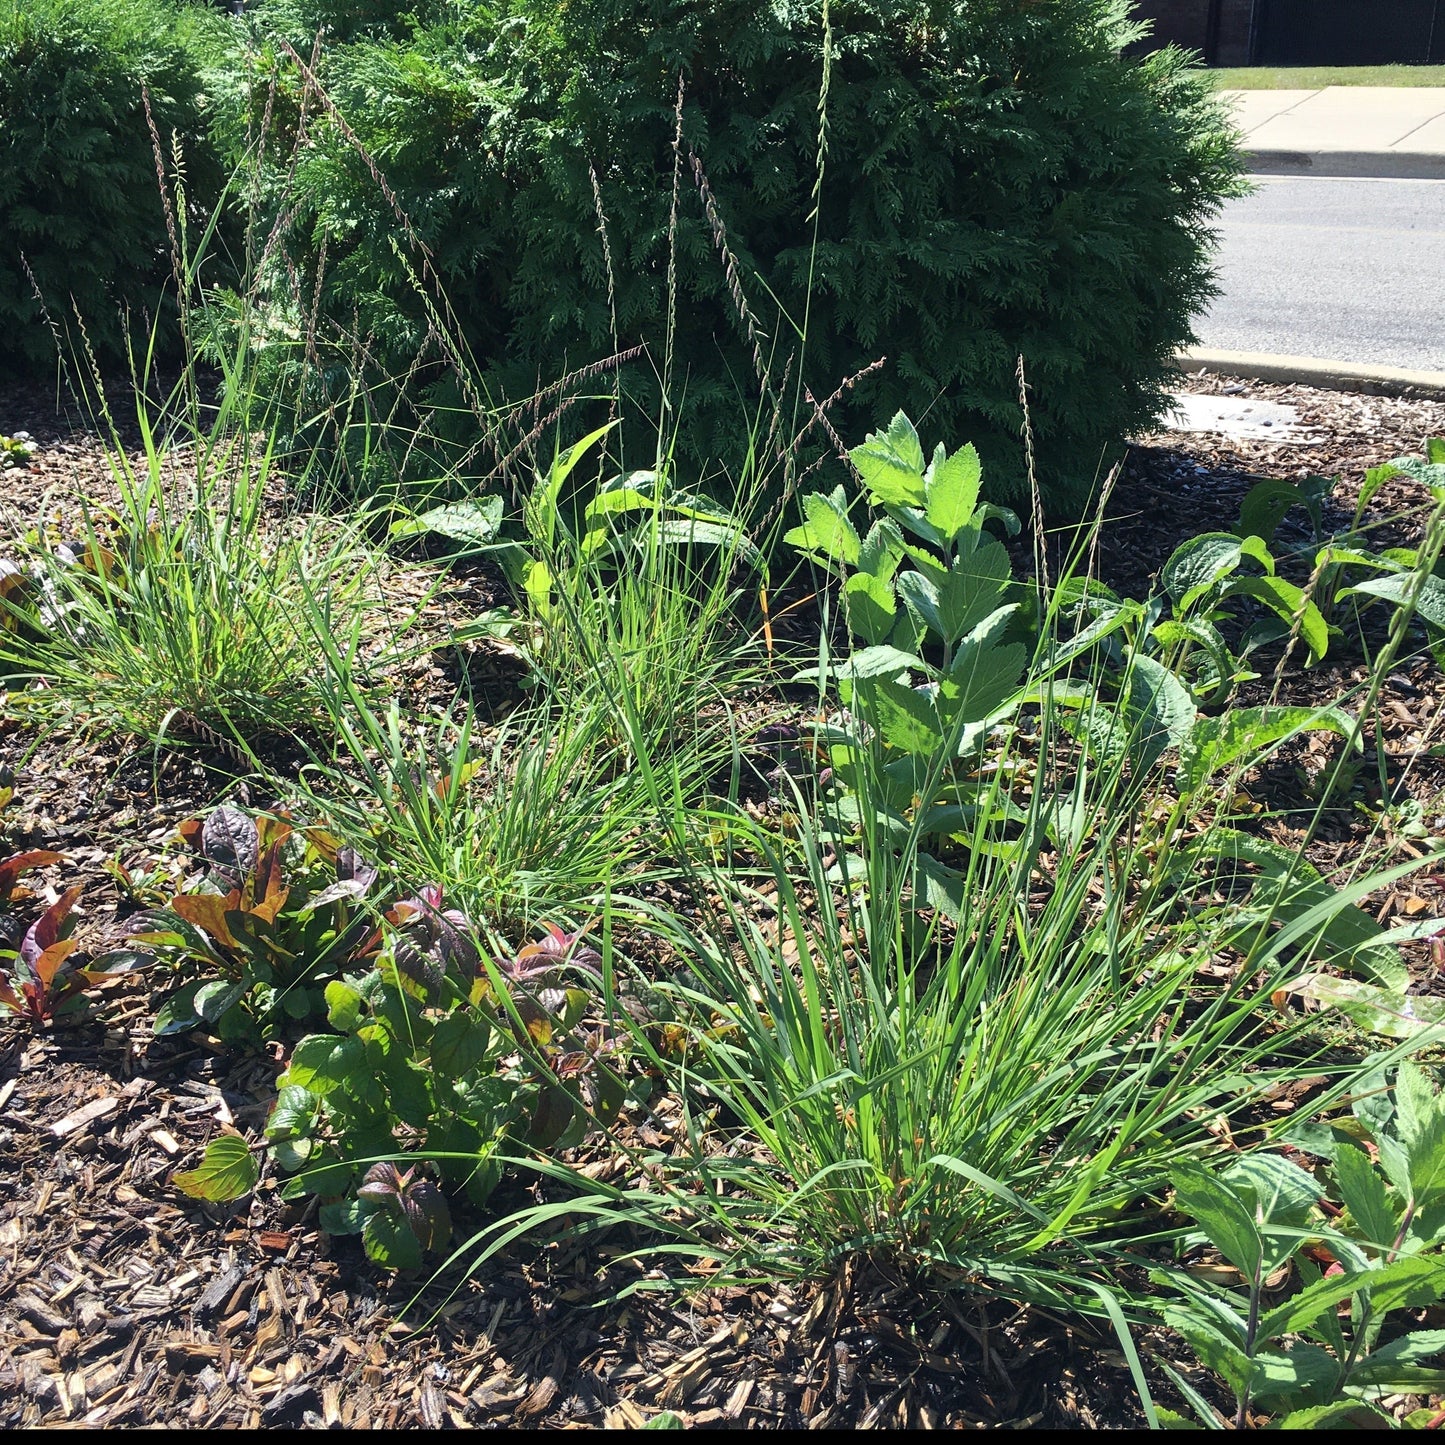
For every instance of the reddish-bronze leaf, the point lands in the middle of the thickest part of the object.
(275, 893)
(46, 929)
(208, 911)
(12, 867)
(48, 964)
(272, 829)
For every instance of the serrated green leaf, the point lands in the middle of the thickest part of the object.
(227, 1171)
(1196, 565)
(903, 718)
(940, 887)
(409, 1089)
(294, 1112)
(1212, 1346)
(292, 1154)
(343, 1006)
(1265, 508)
(1395, 1161)
(913, 519)
(1280, 1192)
(951, 491)
(870, 606)
(1173, 1420)
(882, 550)
(1296, 1374)
(1399, 587)
(1291, 605)
(474, 522)
(973, 588)
(343, 1216)
(891, 464)
(459, 1043)
(881, 661)
(1420, 1124)
(389, 1241)
(981, 679)
(1387, 1365)
(1160, 710)
(1223, 1216)
(1404, 1283)
(1363, 1193)
(826, 530)
(1326, 1329)
(1383, 1011)
(1356, 1414)
(1302, 1311)
(323, 1063)
(1214, 743)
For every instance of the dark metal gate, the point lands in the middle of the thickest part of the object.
(1349, 32)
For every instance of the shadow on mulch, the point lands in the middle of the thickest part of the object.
(124, 1303)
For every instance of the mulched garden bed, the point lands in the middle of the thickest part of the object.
(122, 1302)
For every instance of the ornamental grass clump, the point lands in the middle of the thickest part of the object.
(189, 608)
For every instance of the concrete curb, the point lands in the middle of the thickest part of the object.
(1375, 165)
(1315, 371)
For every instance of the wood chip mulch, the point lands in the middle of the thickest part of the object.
(124, 1303)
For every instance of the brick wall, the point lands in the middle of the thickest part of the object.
(1176, 22)
(1234, 22)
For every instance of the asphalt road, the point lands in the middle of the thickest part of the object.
(1345, 270)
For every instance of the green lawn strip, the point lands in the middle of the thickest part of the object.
(1316, 77)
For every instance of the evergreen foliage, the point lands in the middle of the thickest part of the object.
(80, 202)
(998, 182)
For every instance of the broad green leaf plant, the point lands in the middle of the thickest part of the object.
(950, 651)
(278, 911)
(629, 582)
(926, 577)
(1346, 569)
(1207, 586)
(1320, 1357)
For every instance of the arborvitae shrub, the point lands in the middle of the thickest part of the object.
(999, 182)
(80, 202)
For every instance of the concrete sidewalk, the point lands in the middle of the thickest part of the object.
(1344, 131)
